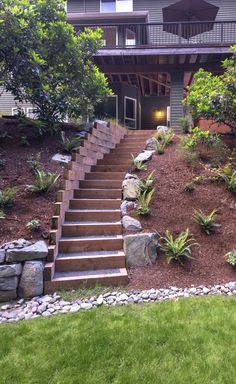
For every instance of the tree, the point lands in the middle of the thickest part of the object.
(214, 96)
(43, 61)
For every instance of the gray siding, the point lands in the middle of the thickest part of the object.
(7, 102)
(83, 6)
(176, 97)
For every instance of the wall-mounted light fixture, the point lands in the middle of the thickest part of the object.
(159, 114)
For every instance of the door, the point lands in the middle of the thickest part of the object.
(130, 112)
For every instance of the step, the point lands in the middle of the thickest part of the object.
(90, 243)
(109, 168)
(98, 193)
(101, 184)
(87, 228)
(73, 280)
(116, 161)
(105, 176)
(90, 261)
(90, 204)
(102, 215)
(114, 156)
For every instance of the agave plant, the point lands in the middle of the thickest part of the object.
(138, 165)
(68, 145)
(43, 181)
(147, 184)
(230, 180)
(179, 247)
(207, 222)
(160, 147)
(230, 257)
(143, 201)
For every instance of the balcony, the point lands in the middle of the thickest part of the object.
(157, 35)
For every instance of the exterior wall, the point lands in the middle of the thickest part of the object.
(150, 105)
(176, 97)
(7, 102)
(82, 6)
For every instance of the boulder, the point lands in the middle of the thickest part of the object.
(141, 249)
(2, 256)
(131, 187)
(8, 270)
(61, 159)
(162, 128)
(20, 243)
(126, 206)
(8, 295)
(31, 281)
(131, 224)
(8, 283)
(151, 143)
(144, 156)
(38, 250)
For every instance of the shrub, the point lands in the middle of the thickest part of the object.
(33, 225)
(207, 222)
(35, 162)
(147, 184)
(191, 158)
(198, 136)
(230, 180)
(39, 126)
(143, 201)
(185, 124)
(43, 181)
(165, 137)
(138, 165)
(68, 145)
(6, 197)
(160, 147)
(189, 187)
(176, 248)
(230, 257)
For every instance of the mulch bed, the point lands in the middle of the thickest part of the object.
(172, 208)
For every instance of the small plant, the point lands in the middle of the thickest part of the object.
(160, 147)
(207, 222)
(138, 165)
(24, 142)
(230, 257)
(176, 248)
(35, 162)
(191, 158)
(189, 187)
(185, 124)
(229, 179)
(198, 136)
(2, 215)
(165, 137)
(143, 201)
(40, 126)
(4, 135)
(68, 145)
(43, 181)
(33, 225)
(147, 184)
(6, 197)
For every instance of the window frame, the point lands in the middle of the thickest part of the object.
(115, 1)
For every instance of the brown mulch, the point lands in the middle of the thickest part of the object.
(172, 208)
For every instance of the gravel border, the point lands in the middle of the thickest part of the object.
(48, 305)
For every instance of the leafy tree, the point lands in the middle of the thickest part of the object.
(43, 61)
(214, 96)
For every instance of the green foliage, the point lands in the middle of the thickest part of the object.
(33, 225)
(2, 214)
(143, 201)
(69, 144)
(179, 247)
(207, 222)
(138, 165)
(197, 137)
(189, 187)
(40, 127)
(230, 258)
(230, 180)
(6, 197)
(147, 184)
(185, 124)
(160, 147)
(43, 181)
(35, 162)
(165, 137)
(214, 96)
(191, 158)
(24, 142)
(44, 61)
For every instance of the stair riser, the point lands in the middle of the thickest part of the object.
(92, 245)
(91, 263)
(91, 230)
(103, 184)
(95, 204)
(93, 216)
(52, 286)
(105, 176)
(97, 194)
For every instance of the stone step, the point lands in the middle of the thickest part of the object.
(102, 215)
(72, 229)
(98, 204)
(105, 176)
(74, 280)
(90, 243)
(90, 261)
(101, 184)
(98, 193)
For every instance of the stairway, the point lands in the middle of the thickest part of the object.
(91, 245)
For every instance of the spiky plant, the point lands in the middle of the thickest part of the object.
(138, 165)
(43, 181)
(6, 196)
(230, 257)
(178, 247)
(207, 222)
(143, 201)
(230, 180)
(147, 184)
(69, 144)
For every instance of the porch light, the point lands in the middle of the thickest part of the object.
(160, 114)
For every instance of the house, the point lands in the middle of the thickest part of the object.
(152, 49)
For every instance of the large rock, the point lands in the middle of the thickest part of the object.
(2, 256)
(20, 243)
(131, 187)
(162, 129)
(31, 281)
(151, 143)
(127, 206)
(141, 249)
(144, 156)
(8, 295)
(8, 270)
(8, 283)
(131, 224)
(38, 250)
(61, 159)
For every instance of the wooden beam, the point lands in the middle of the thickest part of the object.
(154, 81)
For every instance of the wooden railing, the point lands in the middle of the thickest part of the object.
(207, 33)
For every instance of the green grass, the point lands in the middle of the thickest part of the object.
(85, 292)
(188, 341)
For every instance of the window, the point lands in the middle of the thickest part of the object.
(130, 112)
(17, 110)
(116, 5)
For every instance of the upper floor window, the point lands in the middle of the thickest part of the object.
(116, 5)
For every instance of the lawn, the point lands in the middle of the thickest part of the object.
(187, 341)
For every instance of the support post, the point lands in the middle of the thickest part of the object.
(176, 99)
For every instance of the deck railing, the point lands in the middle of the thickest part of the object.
(178, 34)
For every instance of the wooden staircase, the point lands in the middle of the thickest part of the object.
(90, 249)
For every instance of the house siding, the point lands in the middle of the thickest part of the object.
(176, 97)
(7, 102)
(83, 6)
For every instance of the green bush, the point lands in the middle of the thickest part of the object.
(207, 222)
(179, 247)
(185, 124)
(43, 181)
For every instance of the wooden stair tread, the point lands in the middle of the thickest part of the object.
(92, 223)
(85, 254)
(89, 274)
(92, 238)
